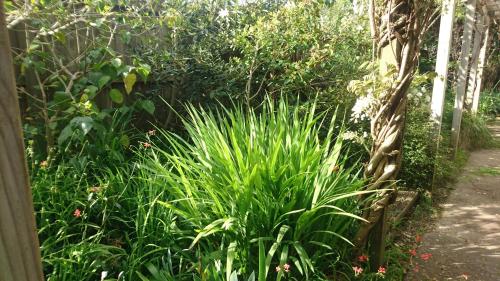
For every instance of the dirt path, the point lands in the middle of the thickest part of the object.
(465, 243)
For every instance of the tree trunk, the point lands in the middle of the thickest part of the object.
(400, 25)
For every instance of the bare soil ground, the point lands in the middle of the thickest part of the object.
(465, 239)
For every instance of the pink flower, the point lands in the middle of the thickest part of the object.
(381, 270)
(357, 270)
(426, 256)
(413, 252)
(286, 267)
(363, 258)
(77, 213)
(278, 268)
(146, 144)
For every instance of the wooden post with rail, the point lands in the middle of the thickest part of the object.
(19, 249)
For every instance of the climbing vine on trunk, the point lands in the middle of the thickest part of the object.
(397, 27)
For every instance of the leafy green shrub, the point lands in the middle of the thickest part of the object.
(418, 153)
(475, 133)
(301, 49)
(489, 104)
(253, 191)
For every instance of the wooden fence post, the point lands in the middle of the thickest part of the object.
(481, 65)
(470, 16)
(440, 82)
(19, 250)
(478, 37)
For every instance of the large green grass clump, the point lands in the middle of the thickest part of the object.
(257, 190)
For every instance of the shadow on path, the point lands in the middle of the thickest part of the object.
(465, 244)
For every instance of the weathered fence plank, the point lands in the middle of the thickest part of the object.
(470, 16)
(476, 49)
(19, 250)
(442, 59)
(481, 66)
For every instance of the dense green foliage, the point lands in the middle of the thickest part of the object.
(243, 185)
(255, 179)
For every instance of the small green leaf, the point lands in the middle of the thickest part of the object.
(91, 91)
(129, 81)
(124, 140)
(143, 70)
(62, 97)
(231, 253)
(65, 134)
(233, 277)
(116, 96)
(148, 106)
(116, 62)
(84, 98)
(103, 81)
(85, 123)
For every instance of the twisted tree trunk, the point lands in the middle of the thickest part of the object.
(399, 25)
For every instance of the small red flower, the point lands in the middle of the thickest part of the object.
(418, 238)
(426, 256)
(381, 270)
(146, 144)
(357, 270)
(363, 258)
(77, 213)
(413, 252)
(286, 267)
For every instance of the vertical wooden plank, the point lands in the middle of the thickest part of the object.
(478, 37)
(481, 65)
(19, 250)
(470, 16)
(441, 80)
(442, 59)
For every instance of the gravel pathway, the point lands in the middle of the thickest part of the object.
(465, 244)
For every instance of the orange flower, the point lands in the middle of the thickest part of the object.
(363, 258)
(357, 270)
(426, 256)
(146, 144)
(77, 213)
(413, 252)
